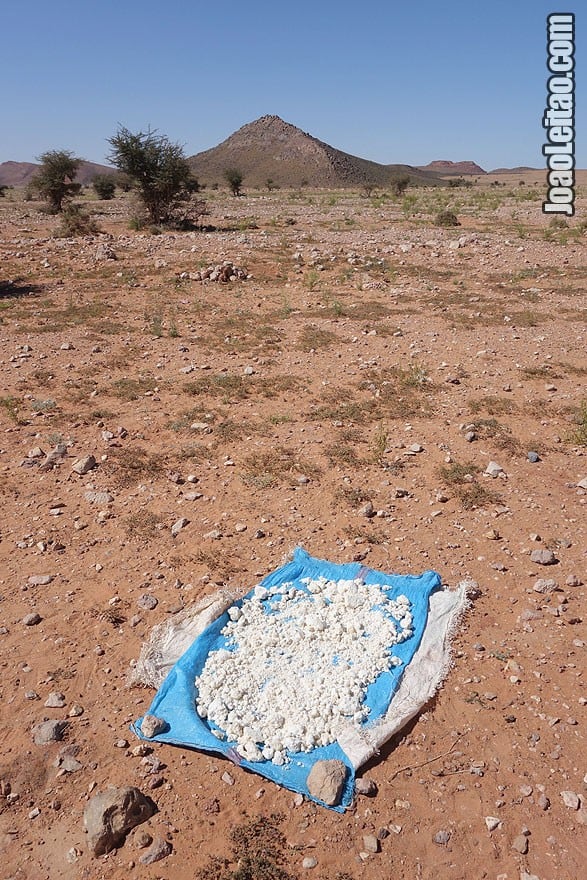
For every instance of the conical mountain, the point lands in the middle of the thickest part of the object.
(270, 148)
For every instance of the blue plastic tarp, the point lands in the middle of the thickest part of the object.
(175, 701)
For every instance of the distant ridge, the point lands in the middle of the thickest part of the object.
(445, 166)
(21, 173)
(517, 170)
(270, 148)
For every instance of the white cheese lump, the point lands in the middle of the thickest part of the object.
(298, 663)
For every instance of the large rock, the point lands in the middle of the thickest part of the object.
(111, 814)
(326, 781)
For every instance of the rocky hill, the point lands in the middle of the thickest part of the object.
(445, 166)
(270, 148)
(21, 173)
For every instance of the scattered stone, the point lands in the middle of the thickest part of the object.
(104, 252)
(67, 346)
(151, 726)
(442, 837)
(545, 585)
(492, 822)
(366, 787)
(147, 602)
(159, 849)
(227, 778)
(222, 273)
(178, 525)
(111, 814)
(68, 763)
(571, 800)
(543, 557)
(309, 862)
(142, 838)
(533, 457)
(49, 732)
(96, 497)
(493, 469)
(573, 581)
(84, 465)
(40, 580)
(470, 436)
(416, 448)
(370, 843)
(32, 619)
(55, 700)
(582, 484)
(54, 458)
(526, 790)
(520, 844)
(326, 781)
(543, 802)
(367, 510)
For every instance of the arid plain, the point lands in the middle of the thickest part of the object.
(346, 392)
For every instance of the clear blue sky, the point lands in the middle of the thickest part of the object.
(385, 80)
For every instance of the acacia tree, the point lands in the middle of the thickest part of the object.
(158, 171)
(55, 179)
(235, 180)
(399, 184)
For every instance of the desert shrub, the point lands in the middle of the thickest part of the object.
(446, 218)
(158, 170)
(271, 185)
(75, 221)
(3, 188)
(234, 179)
(399, 184)
(55, 180)
(104, 186)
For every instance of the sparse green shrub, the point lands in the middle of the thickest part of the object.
(446, 218)
(104, 186)
(3, 188)
(75, 221)
(159, 173)
(55, 180)
(270, 184)
(234, 179)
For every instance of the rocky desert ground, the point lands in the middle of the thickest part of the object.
(316, 368)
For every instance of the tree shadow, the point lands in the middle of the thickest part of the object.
(18, 288)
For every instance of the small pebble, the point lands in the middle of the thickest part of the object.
(520, 844)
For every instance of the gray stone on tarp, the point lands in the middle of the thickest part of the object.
(151, 726)
(326, 781)
(111, 814)
(49, 732)
(159, 849)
